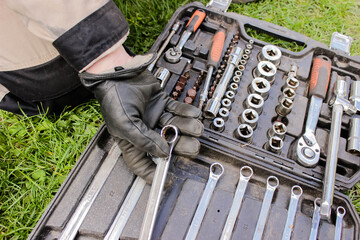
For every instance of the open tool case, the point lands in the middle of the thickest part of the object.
(179, 202)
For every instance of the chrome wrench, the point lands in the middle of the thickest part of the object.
(340, 212)
(315, 220)
(216, 170)
(171, 134)
(272, 184)
(245, 175)
(126, 209)
(296, 192)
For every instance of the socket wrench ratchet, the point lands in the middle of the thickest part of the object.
(216, 170)
(272, 184)
(296, 192)
(171, 134)
(307, 148)
(173, 55)
(245, 175)
(315, 220)
(340, 212)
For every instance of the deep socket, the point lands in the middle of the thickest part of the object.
(284, 107)
(254, 101)
(270, 53)
(278, 129)
(244, 132)
(260, 86)
(249, 116)
(353, 142)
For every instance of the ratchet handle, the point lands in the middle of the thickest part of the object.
(216, 48)
(195, 20)
(320, 77)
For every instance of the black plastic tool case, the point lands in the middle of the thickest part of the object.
(180, 200)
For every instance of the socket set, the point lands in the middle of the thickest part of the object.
(287, 121)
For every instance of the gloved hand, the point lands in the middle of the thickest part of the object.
(132, 104)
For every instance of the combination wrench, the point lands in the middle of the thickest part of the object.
(216, 170)
(307, 151)
(340, 212)
(315, 220)
(171, 134)
(245, 175)
(296, 192)
(272, 184)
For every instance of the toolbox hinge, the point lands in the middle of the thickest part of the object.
(221, 5)
(341, 42)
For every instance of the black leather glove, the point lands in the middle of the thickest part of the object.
(133, 104)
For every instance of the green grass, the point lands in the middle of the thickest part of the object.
(38, 152)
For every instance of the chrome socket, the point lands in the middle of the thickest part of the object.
(224, 113)
(270, 53)
(238, 73)
(226, 103)
(245, 56)
(243, 62)
(218, 124)
(287, 93)
(260, 86)
(254, 101)
(292, 83)
(236, 79)
(250, 117)
(233, 87)
(275, 144)
(230, 95)
(249, 46)
(247, 51)
(284, 107)
(265, 69)
(353, 142)
(278, 129)
(354, 96)
(241, 67)
(244, 132)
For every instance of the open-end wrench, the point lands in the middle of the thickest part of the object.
(307, 149)
(212, 62)
(340, 212)
(126, 209)
(216, 170)
(339, 106)
(245, 175)
(170, 134)
(315, 220)
(296, 192)
(272, 184)
(173, 55)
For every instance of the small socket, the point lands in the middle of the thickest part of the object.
(244, 132)
(233, 87)
(287, 93)
(238, 73)
(251, 41)
(292, 83)
(275, 144)
(218, 124)
(266, 70)
(284, 107)
(254, 101)
(278, 129)
(226, 103)
(249, 116)
(243, 62)
(224, 113)
(245, 56)
(249, 46)
(230, 95)
(241, 67)
(353, 142)
(247, 51)
(270, 53)
(260, 86)
(236, 79)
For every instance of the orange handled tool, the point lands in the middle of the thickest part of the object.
(212, 62)
(195, 20)
(320, 77)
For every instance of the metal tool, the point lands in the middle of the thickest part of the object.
(354, 96)
(315, 220)
(212, 62)
(174, 28)
(245, 175)
(272, 184)
(126, 209)
(296, 192)
(270, 53)
(173, 55)
(249, 116)
(213, 105)
(244, 132)
(216, 170)
(353, 144)
(230, 95)
(277, 129)
(162, 74)
(224, 113)
(291, 82)
(254, 101)
(340, 212)
(284, 107)
(218, 124)
(339, 105)
(288, 93)
(170, 134)
(73, 225)
(265, 69)
(260, 86)
(274, 144)
(307, 149)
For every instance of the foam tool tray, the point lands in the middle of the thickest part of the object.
(88, 201)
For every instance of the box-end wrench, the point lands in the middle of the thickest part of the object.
(307, 149)
(340, 212)
(272, 184)
(315, 220)
(173, 55)
(171, 134)
(245, 175)
(212, 62)
(216, 170)
(339, 105)
(296, 192)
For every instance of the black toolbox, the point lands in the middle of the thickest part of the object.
(100, 180)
